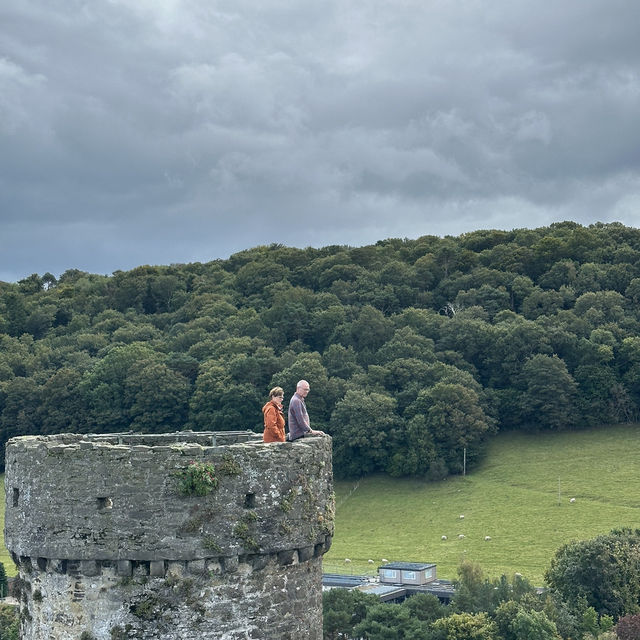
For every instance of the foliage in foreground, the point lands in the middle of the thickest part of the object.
(503, 609)
(628, 627)
(603, 572)
(9, 622)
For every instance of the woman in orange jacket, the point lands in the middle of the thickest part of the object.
(273, 417)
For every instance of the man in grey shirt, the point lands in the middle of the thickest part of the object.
(298, 417)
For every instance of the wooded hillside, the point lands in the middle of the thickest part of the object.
(414, 349)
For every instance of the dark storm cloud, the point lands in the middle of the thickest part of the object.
(171, 131)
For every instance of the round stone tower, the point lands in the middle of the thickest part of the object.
(175, 536)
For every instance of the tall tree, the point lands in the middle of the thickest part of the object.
(4, 586)
(343, 609)
(456, 421)
(391, 622)
(365, 428)
(467, 626)
(534, 625)
(549, 400)
(157, 397)
(104, 386)
(604, 572)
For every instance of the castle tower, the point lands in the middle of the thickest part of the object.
(179, 536)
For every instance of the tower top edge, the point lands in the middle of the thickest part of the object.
(132, 439)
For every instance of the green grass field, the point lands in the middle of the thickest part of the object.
(5, 558)
(519, 497)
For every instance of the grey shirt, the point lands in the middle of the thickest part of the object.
(298, 417)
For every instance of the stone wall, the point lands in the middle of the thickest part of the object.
(113, 541)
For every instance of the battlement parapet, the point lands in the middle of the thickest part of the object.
(215, 565)
(127, 496)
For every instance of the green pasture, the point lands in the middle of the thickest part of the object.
(520, 497)
(5, 558)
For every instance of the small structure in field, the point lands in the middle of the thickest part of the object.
(415, 573)
(396, 581)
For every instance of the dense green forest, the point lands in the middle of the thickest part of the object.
(416, 350)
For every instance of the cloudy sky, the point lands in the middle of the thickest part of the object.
(159, 131)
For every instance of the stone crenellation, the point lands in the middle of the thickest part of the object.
(180, 535)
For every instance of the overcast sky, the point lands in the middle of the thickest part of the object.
(160, 131)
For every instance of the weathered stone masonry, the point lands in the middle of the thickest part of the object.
(109, 547)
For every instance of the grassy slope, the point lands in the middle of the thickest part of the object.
(513, 498)
(5, 558)
(519, 497)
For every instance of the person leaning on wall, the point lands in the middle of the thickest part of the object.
(273, 417)
(299, 425)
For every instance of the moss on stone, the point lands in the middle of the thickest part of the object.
(285, 528)
(145, 608)
(229, 466)
(286, 504)
(197, 522)
(209, 542)
(242, 531)
(118, 633)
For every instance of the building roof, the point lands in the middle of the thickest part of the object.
(443, 589)
(408, 566)
(342, 581)
(384, 592)
(440, 588)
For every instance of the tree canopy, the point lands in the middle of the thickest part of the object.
(416, 350)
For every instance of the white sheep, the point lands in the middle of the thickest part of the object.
(460, 536)
(347, 560)
(461, 516)
(443, 538)
(572, 500)
(370, 561)
(384, 560)
(487, 538)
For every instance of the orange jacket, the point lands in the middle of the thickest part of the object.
(273, 423)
